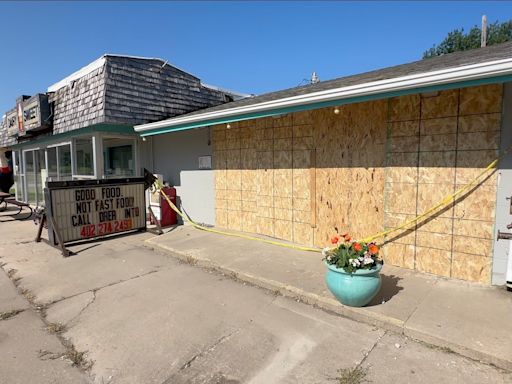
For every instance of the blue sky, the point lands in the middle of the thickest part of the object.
(252, 47)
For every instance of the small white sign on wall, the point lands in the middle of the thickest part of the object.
(205, 162)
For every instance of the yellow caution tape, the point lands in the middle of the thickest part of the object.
(443, 203)
(233, 234)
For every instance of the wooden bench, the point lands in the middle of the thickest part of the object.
(20, 205)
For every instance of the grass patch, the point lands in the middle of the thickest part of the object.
(28, 295)
(352, 376)
(9, 314)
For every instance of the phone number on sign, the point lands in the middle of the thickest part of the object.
(93, 230)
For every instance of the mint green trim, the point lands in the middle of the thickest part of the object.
(109, 128)
(324, 104)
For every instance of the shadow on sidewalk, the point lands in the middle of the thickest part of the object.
(388, 289)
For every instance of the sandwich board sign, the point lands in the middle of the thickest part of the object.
(89, 209)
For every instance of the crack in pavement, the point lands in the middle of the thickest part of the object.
(68, 323)
(94, 290)
(371, 349)
(202, 353)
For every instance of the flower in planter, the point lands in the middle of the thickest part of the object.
(351, 255)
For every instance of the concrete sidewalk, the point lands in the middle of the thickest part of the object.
(467, 318)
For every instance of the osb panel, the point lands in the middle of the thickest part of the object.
(434, 261)
(481, 99)
(436, 225)
(430, 195)
(402, 167)
(302, 143)
(267, 144)
(442, 105)
(220, 177)
(300, 118)
(233, 178)
(283, 214)
(283, 144)
(264, 182)
(404, 144)
(472, 245)
(249, 222)
(302, 233)
(249, 180)
(479, 140)
(221, 218)
(302, 217)
(302, 159)
(404, 128)
(234, 205)
(474, 228)
(283, 185)
(265, 226)
(249, 159)
(444, 142)
(439, 126)
(219, 160)
(302, 130)
(480, 123)
(301, 204)
(283, 202)
(468, 267)
(221, 204)
(471, 163)
(283, 229)
(267, 212)
(401, 198)
(283, 132)
(235, 220)
(405, 108)
(436, 167)
(301, 183)
(249, 206)
(434, 240)
(477, 205)
(401, 255)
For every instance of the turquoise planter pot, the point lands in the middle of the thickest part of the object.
(356, 289)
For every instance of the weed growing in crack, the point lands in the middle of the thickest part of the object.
(77, 358)
(9, 314)
(355, 375)
(55, 328)
(28, 295)
(11, 273)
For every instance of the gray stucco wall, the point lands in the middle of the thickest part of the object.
(176, 157)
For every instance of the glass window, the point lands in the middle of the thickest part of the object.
(118, 157)
(30, 171)
(84, 157)
(19, 177)
(53, 173)
(64, 156)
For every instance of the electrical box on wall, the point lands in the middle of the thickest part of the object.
(205, 162)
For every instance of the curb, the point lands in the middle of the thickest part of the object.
(333, 306)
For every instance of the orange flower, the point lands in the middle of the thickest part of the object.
(357, 247)
(335, 239)
(373, 249)
(347, 238)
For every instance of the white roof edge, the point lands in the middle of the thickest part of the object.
(98, 63)
(239, 95)
(439, 77)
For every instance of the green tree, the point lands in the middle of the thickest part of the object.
(457, 40)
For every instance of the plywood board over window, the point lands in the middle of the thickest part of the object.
(306, 176)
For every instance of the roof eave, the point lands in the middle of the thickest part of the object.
(468, 75)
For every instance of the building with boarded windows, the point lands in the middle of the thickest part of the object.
(364, 153)
(82, 127)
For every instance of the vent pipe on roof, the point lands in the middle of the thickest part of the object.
(314, 78)
(483, 34)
